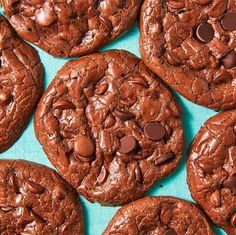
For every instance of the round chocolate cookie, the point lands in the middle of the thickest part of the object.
(159, 215)
(212, 169)
(35, 200)
(21, 76)
(110, 127)
(191, 44)
(66, 28)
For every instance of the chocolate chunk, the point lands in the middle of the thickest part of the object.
(84, 146)
(205, 32)
(165, 158)
(229, 61)
(154, 131)
(171, 232)
(123, 115)
(128, 144)
(229, 21)
(230, 183)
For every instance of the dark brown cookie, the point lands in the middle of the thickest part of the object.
(191, 44)
(21, 76)
(212, 169)
(110, 127)
(68, 28)
(159, 215)
(35, 200)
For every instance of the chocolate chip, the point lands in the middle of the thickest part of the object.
(45, 16)
(166, 215)
(138, 174)
(222, 77)
(84, 146)
(128, 144)
(176, 4)
(101, 88)
(164, 158)
(229, 21)
(34, 187)
(205, 32)
(233, 220)
(123, 115)
(229, 61)
(4, 97)
(102, 176)
(63, 104)
(215, 198)
(154, 130)
(171, 232)
(230, 183)
(225, 38)
(109, 121)
(139, 81)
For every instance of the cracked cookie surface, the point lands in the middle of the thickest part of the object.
(191, 45)
(21, 74)
(211, 169)
(68, 28)
(110, 127)
(159, 215)
(34, 199)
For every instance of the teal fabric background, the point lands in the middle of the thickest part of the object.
(96, 216)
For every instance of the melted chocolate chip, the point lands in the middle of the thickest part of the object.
(154, 130)
(84, 146)
(164, 158)
(229, 61)
(171, 232)
(205, 32)
(230, 183)
(128, 144)
(229, 21)
(123, 115)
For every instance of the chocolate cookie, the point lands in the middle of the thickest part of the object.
(66, 28)
(212, 169)
(191, 44)
(110, 127)
(35, 200)
(21, 76)
(159, 215)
